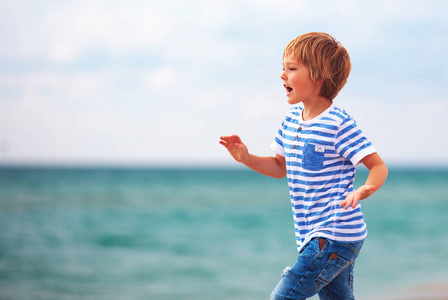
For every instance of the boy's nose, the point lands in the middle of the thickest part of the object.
(283, 76)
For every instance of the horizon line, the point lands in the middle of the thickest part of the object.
(203, 165)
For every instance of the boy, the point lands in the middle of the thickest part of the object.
(317, 147)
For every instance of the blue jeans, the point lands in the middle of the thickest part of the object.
(325, 267)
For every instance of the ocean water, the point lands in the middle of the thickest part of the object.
(186, 234)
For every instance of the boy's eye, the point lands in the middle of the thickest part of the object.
(292, 69)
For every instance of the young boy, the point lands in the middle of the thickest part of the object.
(317, 147)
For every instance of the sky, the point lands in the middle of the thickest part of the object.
(153, 83)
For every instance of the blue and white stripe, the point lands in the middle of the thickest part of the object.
(321, 155)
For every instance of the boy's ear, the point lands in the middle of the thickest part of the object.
(319, 81)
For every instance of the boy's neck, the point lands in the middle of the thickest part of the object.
(315, 108)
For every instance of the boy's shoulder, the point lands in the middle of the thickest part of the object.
(338, 115)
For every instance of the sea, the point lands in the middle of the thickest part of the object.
(199, 233)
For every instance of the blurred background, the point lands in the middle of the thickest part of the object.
(112, 181)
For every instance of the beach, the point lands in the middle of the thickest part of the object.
(420, 292)
(123, 233)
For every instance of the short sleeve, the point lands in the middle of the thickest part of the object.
(277, 143)
(351, 142)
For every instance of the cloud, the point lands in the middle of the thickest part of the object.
(65, 31)
(163, 79)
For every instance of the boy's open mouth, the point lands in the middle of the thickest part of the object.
(288, 89)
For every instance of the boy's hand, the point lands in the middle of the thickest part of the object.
(361, 193)
(235, 147)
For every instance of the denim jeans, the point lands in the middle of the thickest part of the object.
(325, 267)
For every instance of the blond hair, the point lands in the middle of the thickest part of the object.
(326, 59)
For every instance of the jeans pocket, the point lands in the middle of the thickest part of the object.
(313, 156)
(333, 267)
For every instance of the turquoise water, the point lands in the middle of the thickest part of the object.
(197, 234)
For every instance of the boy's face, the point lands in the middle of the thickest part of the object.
(297, 82)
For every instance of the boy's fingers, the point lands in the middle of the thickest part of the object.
(355, 202)
(236, 138)
(347, 205)
(344, 202)
(227, 141)
(353, 199)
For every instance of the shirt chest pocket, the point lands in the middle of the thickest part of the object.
(313, 156)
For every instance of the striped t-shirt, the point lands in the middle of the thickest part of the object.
(321, 155)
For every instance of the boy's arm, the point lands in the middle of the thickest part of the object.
(377, 176)
(270, 166)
